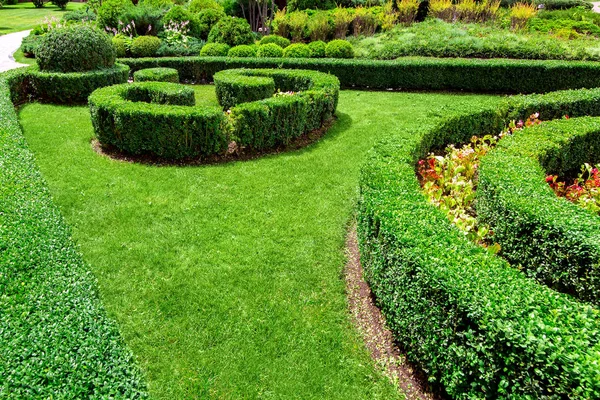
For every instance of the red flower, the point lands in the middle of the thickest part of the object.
(549, 178)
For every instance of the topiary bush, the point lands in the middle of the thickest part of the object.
(269, 50)
(214, 50)
(297, 50)
(339, 49)
(317, 49)
(145, 46)
(242, 50)
(276, 39)
(75, 48)
(156, 75)
(232, 31)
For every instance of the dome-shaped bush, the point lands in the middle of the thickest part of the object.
(145, 46)
(207, 19)
(269, 50)
(242, 50)
(276, 39)
(76, 48)
(297, 50)
(214, 50)
(317, 49)
(339, 49)
(232, 31)
(119, 45)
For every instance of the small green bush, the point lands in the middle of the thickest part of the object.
(75, 48)
(110, 11)
(297, 50)
(62, 4)
(242, 50)
(317, 49)
(81, 15)
(339, 49)
(120, 48)
(208, 18)
(214, 50)
(232, 31)
(269, 50)
(276, 39)
(145, 46)
(29, 44)
(156, 75)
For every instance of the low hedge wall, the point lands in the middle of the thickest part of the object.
(176, 132)
(156, 75)
(555, 241)
(477, 326)
(56, 340)
(474, 75)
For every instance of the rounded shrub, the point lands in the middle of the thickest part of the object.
(207, 19)
(317, 49)
(242, 50)
(339, 49)
(197, 6)
(276, 39)
(145, 46)
(180, 15)
(214, 50)
(269, 50)
(232, 31)
(156, 75)
(297, 50)
(119, 45)
(76, 48)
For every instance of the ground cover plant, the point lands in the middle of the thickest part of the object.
(258, 307)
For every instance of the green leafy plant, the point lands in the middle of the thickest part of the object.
(297, 21)
(231, 31)
(208, 18)
(278, 40)
(318, 26)
(317, 49)
(145, 46)
(297, 50)
(242, 50)
(339, 49)
(269, 50)
(215, 50)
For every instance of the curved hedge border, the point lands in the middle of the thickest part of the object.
(477, 326)
(156, 117)
(156, 75)
(555, 241)
(56, 340)
(474, 75)
(175, 131)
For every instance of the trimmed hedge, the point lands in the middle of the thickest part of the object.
(477, 326)
(497, 75)
(136, 124)
(269, 50)
(158, 118)
(156, 75)
(72, 87)
(56, 340)
(555, 241)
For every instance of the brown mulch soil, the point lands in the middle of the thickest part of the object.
(378, 339)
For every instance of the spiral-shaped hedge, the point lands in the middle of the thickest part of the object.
(255, 117)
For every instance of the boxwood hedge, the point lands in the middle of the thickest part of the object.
(477, 326)
(56, 340)
(156, 75)
(474, 75)
(555, 241)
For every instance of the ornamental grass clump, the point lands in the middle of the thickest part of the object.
(520, 13)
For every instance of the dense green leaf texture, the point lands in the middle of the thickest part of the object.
(474, 75)
(55, 338)
(477, 326)
(157, 75)
(555, 241)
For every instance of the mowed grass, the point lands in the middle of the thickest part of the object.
(227, 280)
(23, 16)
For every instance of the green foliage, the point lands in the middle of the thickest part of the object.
(38, 3)
(233, 88)
(110, 11)
(145, 46)
(293, 5)
(276, 39)
(147, 19)
(317, 49)
(30, 43)
(269, 50)
(339, 49)
(296, 50)
(80, 15)
(242, 50)
(553, 4)
(120, 46)
(157, 118)
(191, 47)
(554, 241)
(208, 18)
(214, 50)
(319, 26)
(197, 6)
(500, 76)
(179, 14)
(75, 48)
(156, 75)
(62, 4)
(556, 25)
(232, 31)
(509, 336)
(56, 339)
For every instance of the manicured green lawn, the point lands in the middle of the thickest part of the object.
(226, 280)
(25, 16)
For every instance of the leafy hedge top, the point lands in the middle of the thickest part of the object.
(55, 338)
(75, 48)
(157, 75)
(478, 327)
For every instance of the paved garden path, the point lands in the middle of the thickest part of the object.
(8, 45)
